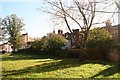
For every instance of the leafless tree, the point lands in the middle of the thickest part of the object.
(79, 13)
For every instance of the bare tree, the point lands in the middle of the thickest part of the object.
(80, 13)
(76, 12)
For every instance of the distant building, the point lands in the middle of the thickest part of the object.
(114, 31)
(25, 42)
(6, 47)
(75, 38)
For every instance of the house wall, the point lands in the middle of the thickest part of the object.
(5, 47)
(113, 30)
(116, 33)
(119, 33)
(25, 39)
(114, 53)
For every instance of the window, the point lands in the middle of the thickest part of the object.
(115, 33)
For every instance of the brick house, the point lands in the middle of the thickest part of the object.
(73, 39)
(25, 41)
(113, 30)
(6, 47)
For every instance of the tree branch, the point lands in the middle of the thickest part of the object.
(65, 17)
(84, 18)
(65, 13)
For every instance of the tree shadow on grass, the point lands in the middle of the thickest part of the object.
(48, 66)
(24, 56)
(109, 71)
(52, 66)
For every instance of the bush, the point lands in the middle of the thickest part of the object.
(44, 43)
(99, 43)
(100, 38)
(35, 46)
(39, 45)
(50, 43)
(55, 41)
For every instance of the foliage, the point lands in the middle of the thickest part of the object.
(39, 44)
(56, 41)
(14, 27)
(36, 44)
(33, 66)
(50, 42)
(99, 37)
(3, 31)
(44, 43)
(3, 34)
(35, 47)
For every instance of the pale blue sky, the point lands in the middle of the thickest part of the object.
(37, 23)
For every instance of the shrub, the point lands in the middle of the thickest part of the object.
(39, 44)
(99, 37)
(35, 46)
(55, 41)
(99, 42)
(44, 43)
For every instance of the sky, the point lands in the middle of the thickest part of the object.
(37, 23)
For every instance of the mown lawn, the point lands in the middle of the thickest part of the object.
(37, 66)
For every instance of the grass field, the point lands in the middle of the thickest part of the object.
(37, 66)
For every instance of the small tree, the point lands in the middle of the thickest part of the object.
(51, 41)
(44, 42)
(56, 41)
(14, 27)
(99, 37)
(36, 44)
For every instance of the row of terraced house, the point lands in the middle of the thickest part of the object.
(26, 39)
(113, 30)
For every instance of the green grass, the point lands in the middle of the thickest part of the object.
(39, 66)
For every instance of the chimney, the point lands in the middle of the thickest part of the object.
(60, 32)
(108, 25)
(53, 30)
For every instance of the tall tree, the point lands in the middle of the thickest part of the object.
(2, 32)
(79, 13)
(14, 26)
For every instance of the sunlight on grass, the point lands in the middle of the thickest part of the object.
(37, 66)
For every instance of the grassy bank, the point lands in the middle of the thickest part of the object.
(39, 66)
